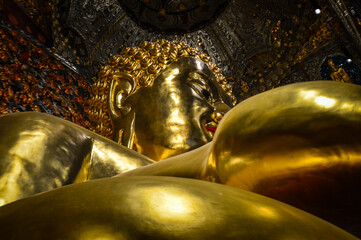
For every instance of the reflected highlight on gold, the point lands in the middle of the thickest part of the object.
(325, 102)
(168, 204)
(267, 212)
(172, 75)
(320, 100)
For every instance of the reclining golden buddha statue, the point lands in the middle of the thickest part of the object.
(299, 144)
(161, 99)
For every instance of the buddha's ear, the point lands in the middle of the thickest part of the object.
(122, 85)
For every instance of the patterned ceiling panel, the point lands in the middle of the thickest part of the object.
(173, 16)
(257, 44)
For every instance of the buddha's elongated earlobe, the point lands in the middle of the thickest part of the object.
(126, 134)
(122, 85)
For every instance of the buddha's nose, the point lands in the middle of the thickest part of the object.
(220, 108)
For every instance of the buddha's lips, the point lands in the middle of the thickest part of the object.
(211, 129)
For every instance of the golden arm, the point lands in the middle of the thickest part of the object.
(40, 152)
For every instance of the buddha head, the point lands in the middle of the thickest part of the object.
(160, 99)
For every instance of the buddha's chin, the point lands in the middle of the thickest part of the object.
(175, 140)
(163, 151)
(159, 153)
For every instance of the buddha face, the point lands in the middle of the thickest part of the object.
(178, 113)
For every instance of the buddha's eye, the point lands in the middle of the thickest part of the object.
(206, 94)
(201, 91)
